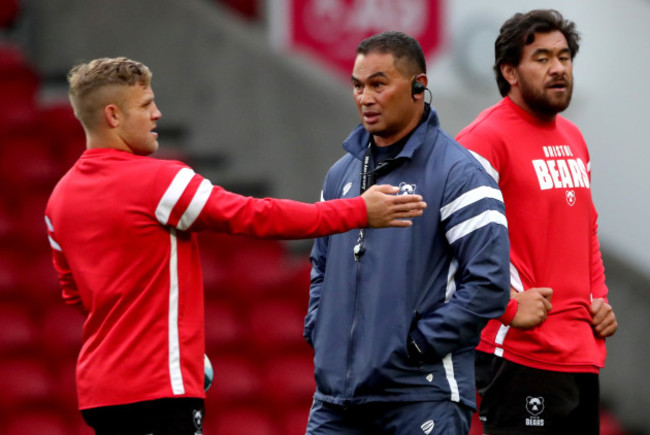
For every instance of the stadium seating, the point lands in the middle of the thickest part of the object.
(37, 422)
(275, 326)
(9, 10)
(27, 382)
(225, 331)
(248, 9)
(19, 333)
(238, 420)
(19, 84)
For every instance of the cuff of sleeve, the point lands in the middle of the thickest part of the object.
(364, 211)
(417, 345)
(511, 310)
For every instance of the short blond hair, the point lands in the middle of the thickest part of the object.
(89, 83)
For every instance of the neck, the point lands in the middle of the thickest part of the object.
(105, 140)
(384, 141)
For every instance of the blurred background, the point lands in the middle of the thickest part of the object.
(255, 95)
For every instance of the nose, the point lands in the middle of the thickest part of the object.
(156, 114)
(558, 67)
(365, 97)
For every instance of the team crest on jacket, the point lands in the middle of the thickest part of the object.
(406, 188)
(571, 197)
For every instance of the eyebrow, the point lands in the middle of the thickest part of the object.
(372, 76)
(148, 101)
(549, 51)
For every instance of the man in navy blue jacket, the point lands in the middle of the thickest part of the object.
(394, 315)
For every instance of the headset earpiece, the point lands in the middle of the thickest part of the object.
(417, 87)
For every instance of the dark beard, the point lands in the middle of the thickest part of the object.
(539, 102)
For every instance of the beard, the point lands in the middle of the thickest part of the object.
(545, 101)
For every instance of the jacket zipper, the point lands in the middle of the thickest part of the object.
(348, 374)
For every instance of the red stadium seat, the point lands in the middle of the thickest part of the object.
(247, 8)
(476, 428)
(25, 383)
(62, 331)
(236, 380)
(46, 422)
(69, 139)
(609, 424)
(289, 381)
(38, 278)
(223, 327)
(18, 330)
(66, 386)
(243, 268)
(27, 161)
(240, 420)
(8, 222)
(9, 10)
(19, 85)
(276, 326)
(294, 420)
(10, 277)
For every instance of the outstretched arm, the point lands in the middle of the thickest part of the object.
(192, 203)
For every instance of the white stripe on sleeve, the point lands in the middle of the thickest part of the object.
(451, 280)
(469, 198)
(173, 194)
(196, 205)
(48, 222)
(53, 244)
(448, 364)
(486, 165)
(50, 228)
(472, 224)
(515, 279)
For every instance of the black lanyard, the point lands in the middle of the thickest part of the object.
(368, 178)
(366, 173)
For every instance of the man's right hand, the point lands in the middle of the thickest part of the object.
(533, 306)
(385, 209)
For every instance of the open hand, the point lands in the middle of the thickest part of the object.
(385, 209)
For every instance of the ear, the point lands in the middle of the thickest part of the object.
(112, 115)
(509, 73)
(423, 80)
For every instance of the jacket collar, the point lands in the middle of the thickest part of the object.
(358, 140)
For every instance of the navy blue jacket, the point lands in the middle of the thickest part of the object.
(401, 323)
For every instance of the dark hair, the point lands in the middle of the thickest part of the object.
(405, 49)
(520, 30)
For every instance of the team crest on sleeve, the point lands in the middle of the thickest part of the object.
(571, 197)
(406, 188)
(346, 188)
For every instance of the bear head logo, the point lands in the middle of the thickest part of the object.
(534, 405)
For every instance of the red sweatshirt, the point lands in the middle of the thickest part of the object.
(543, 170)
(120, 227)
